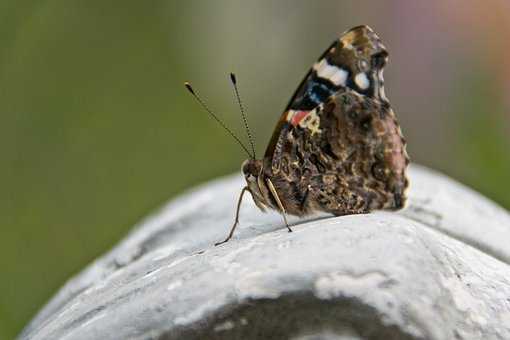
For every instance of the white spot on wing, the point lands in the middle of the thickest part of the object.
(319, 65)
(324, 70)
(339, 78)
(362, 81)
(332, 73)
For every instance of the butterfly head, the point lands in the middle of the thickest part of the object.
(253, 174)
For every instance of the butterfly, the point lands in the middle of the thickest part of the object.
(337, 147)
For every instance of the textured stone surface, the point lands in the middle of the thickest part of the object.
(437, 270)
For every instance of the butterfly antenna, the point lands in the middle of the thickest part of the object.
(247, 128)
(190, 89)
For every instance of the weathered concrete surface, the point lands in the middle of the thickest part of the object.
(437, 270)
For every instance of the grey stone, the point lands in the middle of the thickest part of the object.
(438, 269)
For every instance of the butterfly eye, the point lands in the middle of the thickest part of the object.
(379, 59)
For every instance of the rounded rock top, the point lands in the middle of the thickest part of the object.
(438, 269)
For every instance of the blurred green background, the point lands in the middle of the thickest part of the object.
(96, 129)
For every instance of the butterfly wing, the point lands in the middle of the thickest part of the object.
(338, 147)
(356, 60)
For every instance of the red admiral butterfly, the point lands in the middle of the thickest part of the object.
(337, 147)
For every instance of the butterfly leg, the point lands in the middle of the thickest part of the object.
(236, 222)
(280, 205)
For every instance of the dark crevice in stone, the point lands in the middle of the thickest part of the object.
(291, 316)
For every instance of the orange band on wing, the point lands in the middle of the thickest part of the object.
(298, 116)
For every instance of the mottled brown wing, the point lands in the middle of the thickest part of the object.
(338, 147)
(355, 163)
(355, 60)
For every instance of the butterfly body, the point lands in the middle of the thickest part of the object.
(337, 147)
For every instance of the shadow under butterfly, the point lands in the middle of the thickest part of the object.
(337, 147)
